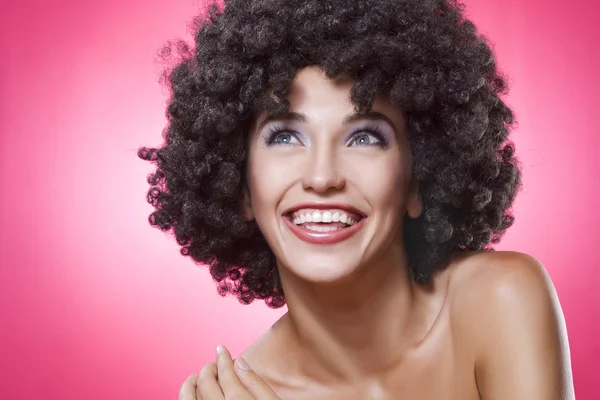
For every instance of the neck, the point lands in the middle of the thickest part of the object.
(356, 328)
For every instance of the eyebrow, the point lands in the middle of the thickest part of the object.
(348, 119)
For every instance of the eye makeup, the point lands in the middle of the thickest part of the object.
(275, 134)
(281, 135)
(370, 129)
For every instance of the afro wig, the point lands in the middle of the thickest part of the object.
(424, 55)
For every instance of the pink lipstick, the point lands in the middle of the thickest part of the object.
(327, 231)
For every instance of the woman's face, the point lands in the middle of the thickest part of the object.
(327, 188)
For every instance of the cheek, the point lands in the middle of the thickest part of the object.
(384, 183)
(267, 179)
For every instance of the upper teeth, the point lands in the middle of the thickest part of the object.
(325, 216)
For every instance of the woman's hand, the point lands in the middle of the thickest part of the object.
(224, 380)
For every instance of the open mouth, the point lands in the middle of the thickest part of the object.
(324, 221)
(324, 225)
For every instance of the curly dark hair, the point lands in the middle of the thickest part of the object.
(424, 55)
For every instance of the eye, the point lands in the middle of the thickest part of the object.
(368, 139)
(284, 138)
(364, 140)
(280, 137)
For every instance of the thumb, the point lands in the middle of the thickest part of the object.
(258, 388)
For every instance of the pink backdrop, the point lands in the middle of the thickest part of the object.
(94, 304)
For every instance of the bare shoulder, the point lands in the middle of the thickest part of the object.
(506, 307)
(501, 287)
(497, 287)
(500, 276)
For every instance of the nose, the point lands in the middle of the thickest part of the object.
(322, 172)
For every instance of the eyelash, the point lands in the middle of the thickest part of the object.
(376, 131)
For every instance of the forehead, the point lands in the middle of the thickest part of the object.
(311, 86)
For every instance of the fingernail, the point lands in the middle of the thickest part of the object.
(220, 350)
(242, 364)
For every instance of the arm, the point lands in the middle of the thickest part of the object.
(523, 351)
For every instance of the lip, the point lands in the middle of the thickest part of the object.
(330, 237)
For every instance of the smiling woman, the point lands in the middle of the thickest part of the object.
(330, 163)
(350, 159)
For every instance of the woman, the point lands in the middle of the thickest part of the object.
(350, 159)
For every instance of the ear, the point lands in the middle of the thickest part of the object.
(414, 205)
(247, 210)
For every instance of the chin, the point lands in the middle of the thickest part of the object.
(323, 268)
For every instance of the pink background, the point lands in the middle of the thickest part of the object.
(94, 304)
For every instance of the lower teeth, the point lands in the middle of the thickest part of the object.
(317, 228)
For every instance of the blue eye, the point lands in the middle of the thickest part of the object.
(283, 138)
(369, 137)
(280, 137)
(366, 140)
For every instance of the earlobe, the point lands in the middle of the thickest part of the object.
(415, 204)
(247, 211)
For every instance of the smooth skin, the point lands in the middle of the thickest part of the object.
(489, 326)
(225, 379)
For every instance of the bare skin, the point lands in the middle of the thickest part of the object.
(489, 326)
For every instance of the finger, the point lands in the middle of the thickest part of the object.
(188, 389)
(258, 388)
(207, 386)
(198, 394)
(230, 383)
